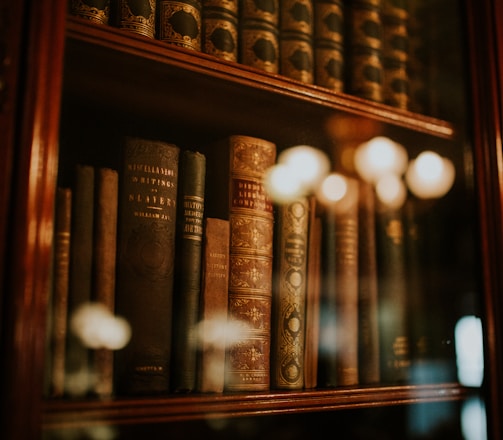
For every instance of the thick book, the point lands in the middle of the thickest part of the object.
(289, 295)
(187, 289)
(104, 267)
(97, 11)
(212, 328)
(236, 168)
(78, 367)
(145, 263)
(395, 49)
(220, 29)
(368, 325)
(179, 23)
(138, 16)
(296, 40)
(259, 34)
(394, 342)
(328, 44)
(364, 49)
(61, 276)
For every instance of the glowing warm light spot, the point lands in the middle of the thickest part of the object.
(391, 191)
(282, 184)
(333, 188)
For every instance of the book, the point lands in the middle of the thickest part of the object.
(179, 23)
(395, 48)
(259, 34)
(145, 263)
(78, 367)
(187, 289)
(368, 325)
(138, 16)
(236, 168)
(339, 323)
(364, 48)
(328, 43)
(313, 291)
(61, 276)
(212, 329)
(289, 295)
(97, 11)
(296, 40)
(220, 28)
(394, 342)
(104, 267)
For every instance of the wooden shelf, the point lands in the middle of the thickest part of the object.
(74, 413)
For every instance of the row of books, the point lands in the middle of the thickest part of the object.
(374, 49)
(223, 289)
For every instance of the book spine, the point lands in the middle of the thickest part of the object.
(368, 326)
(61, 269)
(145, 264)
(97, 11)
(214, 299)
(179, 23)
(394, 342)
(220, 29)
(365, 69)
(138, 16)
(296, 40)
(188, 274)
(395, 53)
(81, 268)
(329, 58)
(289, 298)
(104, 263)
(259, 34)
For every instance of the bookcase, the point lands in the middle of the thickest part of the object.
(70, 89)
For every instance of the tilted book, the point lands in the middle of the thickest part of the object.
(329, 56)
(187, 289)
(97, 11)
(145, 263)
(220, 29)
(289, 295)
(236, 168)
(138, 16)
(179, 23)
(212, 329)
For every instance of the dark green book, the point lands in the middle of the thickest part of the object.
(188, 274)
(138, 16)
(97, 11)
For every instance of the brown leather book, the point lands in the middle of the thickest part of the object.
(145, 264)
(220, 29)
(179, 23)
(97, 11)
(138, 16)
(214, 305)
(236, 168)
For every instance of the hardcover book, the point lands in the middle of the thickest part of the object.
(289, 296)
(97, 11)
(220, 29)
(212, 329)
(180, 23)
(145, 263)
(138, 16)
(236, 171)
(187, 290)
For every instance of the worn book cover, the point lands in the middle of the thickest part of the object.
(138, 16)
(220, 28)
(97, 11)
(179, 23)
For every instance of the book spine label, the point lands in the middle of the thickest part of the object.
(145, 263)
(138, 16)
(97, 11)
(180, 23)
(289, 300)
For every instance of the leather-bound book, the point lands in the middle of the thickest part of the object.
(296, 39)
(138, 16)
(395, 53)
(236, 168)
(179, 23)
(104, 265)
(145, 263)
(395, 352)
(289, 295)
(61, 276)
(97, 11)
(364, 49)
(220, 29)
(329, 57)
(187, 290)
(259, 34)
(368, 326)
(214, 304)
